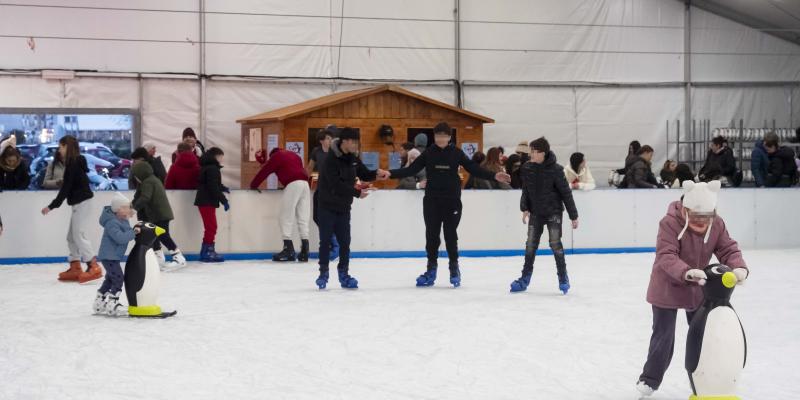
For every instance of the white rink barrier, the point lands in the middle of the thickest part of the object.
(389, 223)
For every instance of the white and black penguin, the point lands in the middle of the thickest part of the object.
(142, 274)
(716, 347)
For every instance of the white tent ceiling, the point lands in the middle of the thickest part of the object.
(589, 74)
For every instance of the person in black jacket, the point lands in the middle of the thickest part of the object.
(75, 190)
(782, 169)
(337, 189)
(442, 202)
(210, 194)
(545, 192)
(145, 153)
(720, 162)
(13, 168)
(638, 173)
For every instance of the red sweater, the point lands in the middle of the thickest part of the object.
(287, 165)
(184, 173)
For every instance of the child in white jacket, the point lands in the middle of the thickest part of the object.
(578, 175)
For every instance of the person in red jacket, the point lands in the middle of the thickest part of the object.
(296, 202)
(185, 172)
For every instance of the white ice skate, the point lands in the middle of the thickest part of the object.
(112, 306)
(99, 303)
(644, 390)
(178, 262)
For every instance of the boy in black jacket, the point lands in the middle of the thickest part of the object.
(442, 201)
(337, 190)
(545, 192)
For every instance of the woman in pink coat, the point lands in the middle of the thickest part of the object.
(688, 236)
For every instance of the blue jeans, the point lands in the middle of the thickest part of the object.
(333, 223)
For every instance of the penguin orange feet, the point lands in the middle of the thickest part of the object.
(72, 273)
(94, 272)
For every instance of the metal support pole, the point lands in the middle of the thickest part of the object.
(687, 68)
(202, 70)
(457, 20)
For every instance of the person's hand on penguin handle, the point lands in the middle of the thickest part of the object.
(502, 177)
(741, 275)
(697, 276)
(137, 230)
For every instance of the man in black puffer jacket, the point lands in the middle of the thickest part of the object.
(719, 162)
(336, 187)
(441, 205)
(782, 169)
(545, 192)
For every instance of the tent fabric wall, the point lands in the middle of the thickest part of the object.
(726, 51)
(574, 41)
(557, 42)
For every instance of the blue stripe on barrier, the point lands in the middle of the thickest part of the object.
(369, 254)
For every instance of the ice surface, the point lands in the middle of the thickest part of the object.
(261, 330)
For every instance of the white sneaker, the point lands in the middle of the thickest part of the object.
(644, 389)
(99, 303)
(113, 307)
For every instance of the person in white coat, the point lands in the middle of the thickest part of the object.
(578, 175)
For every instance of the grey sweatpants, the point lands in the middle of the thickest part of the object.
(80, 247)
(662, 344)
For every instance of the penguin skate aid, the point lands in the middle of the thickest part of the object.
(142, 275)
(688, 236)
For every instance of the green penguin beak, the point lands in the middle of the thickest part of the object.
(160, 231)
(729, 279)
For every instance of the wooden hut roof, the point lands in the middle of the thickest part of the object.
(312, 105)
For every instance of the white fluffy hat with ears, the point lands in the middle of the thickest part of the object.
(700, 198)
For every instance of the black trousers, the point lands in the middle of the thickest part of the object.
(662, 345)
(334, 223)
(536, 225)
(165, 237)
(441, 212)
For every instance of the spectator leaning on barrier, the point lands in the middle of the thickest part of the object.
(578, 174)
(638, 172)
(513, 166)
(759, 159)
(13, 169)
(54, 173)
(184, 173)
(190, 138)
(478, 158)
(782, 171)
(720, 163)
(491, 163)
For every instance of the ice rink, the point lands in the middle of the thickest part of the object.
(261, 330)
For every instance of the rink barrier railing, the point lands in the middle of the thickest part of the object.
(389, 223)
(367, 254)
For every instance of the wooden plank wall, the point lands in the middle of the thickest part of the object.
(368, 114)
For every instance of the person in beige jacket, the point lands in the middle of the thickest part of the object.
(578, 175)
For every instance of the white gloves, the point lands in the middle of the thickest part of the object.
(696, 275)
(741, 275)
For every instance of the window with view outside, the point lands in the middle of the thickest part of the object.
(105, 141)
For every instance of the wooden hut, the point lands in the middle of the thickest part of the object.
(407, 113)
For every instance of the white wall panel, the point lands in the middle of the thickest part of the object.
(491, 221)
